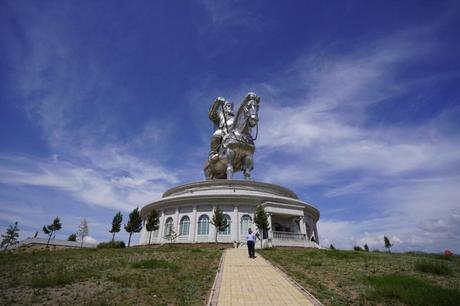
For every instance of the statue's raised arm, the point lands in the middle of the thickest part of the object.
(232, 144)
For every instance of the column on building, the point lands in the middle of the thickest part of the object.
(193, 225)
(176, 222)
(303, 228)
(162, 226)
(309, 221)
(270, 231)
(235, 235)
(144, 237)
(212, 228)
(315, 229)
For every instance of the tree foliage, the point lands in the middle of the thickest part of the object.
(134, 224)
(366, 247)
(153, 222)
(388, 244)
(72, 237)
(11, 236)
(50, 229)
(82, 231)
(332, 247)
(219, 221)
(116, 224)
(261, 221)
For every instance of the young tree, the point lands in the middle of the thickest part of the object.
(332, 247)
(153, 221)
(388, 244)
(11, 236)
(171, 235)
(219, 221)
(366, 247)
(50, 229)
(116, 224)
(261, 221)
(72, 237)
(134, 224)
(82, 231)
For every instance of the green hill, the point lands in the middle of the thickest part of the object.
(167, 275)
(357, 277)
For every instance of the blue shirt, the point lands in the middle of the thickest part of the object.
(251, 237)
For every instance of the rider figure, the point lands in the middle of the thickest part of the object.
(223, 123)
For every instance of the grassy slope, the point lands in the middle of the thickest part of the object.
(350, 277)
(150, 276)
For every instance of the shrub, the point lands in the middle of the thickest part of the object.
(357, 248)
(112, 245)
(438, 268)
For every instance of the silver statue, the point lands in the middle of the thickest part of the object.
(223, 123)
(232, 144)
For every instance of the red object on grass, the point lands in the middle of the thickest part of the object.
(448, 253)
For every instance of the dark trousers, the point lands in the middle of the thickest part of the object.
(251, 249)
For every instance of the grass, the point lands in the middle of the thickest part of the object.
(339, 277)
(155, 264)
(169, 275)
(438, 268)
(411, 291)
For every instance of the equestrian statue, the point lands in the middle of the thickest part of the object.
(232, 143)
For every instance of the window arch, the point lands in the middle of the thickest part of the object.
(168, 226)
(246, 223)
(203, 225)
(184, 226)
(228, 229)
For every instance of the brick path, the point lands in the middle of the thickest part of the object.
(246, 281)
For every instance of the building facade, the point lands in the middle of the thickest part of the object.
(187, 210)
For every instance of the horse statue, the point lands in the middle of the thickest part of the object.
(237, 147)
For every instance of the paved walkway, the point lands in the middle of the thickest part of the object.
(246, 281)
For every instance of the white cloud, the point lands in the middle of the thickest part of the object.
(112, 180)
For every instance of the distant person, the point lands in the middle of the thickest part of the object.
(251, 241)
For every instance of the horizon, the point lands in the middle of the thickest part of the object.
(104, 107)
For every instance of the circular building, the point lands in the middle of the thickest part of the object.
(187, 210)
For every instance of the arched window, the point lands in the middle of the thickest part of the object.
(227, 230)
(168, 226)
(184, 226)
(203, 225)
(246, 223)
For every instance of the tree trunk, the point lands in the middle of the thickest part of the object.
(150, 236)
(216, 234)
(81, 245)
(129, 240)
(113, 237)
(49, 238)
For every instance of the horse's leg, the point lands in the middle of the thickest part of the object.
(248, 165)
(230, 162)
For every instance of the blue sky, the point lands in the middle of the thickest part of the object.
(103, 106)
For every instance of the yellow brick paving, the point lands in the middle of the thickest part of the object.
(247, 281)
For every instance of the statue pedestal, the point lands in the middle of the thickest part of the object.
(187, 210)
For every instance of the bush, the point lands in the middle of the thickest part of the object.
(438, 268)
(111, 245)
(357, 248)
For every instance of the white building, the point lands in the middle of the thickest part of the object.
(188, 210)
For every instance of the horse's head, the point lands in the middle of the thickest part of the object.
(247, 116)
(253, 112)
(251, 109)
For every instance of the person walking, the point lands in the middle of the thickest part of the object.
(251, 241)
